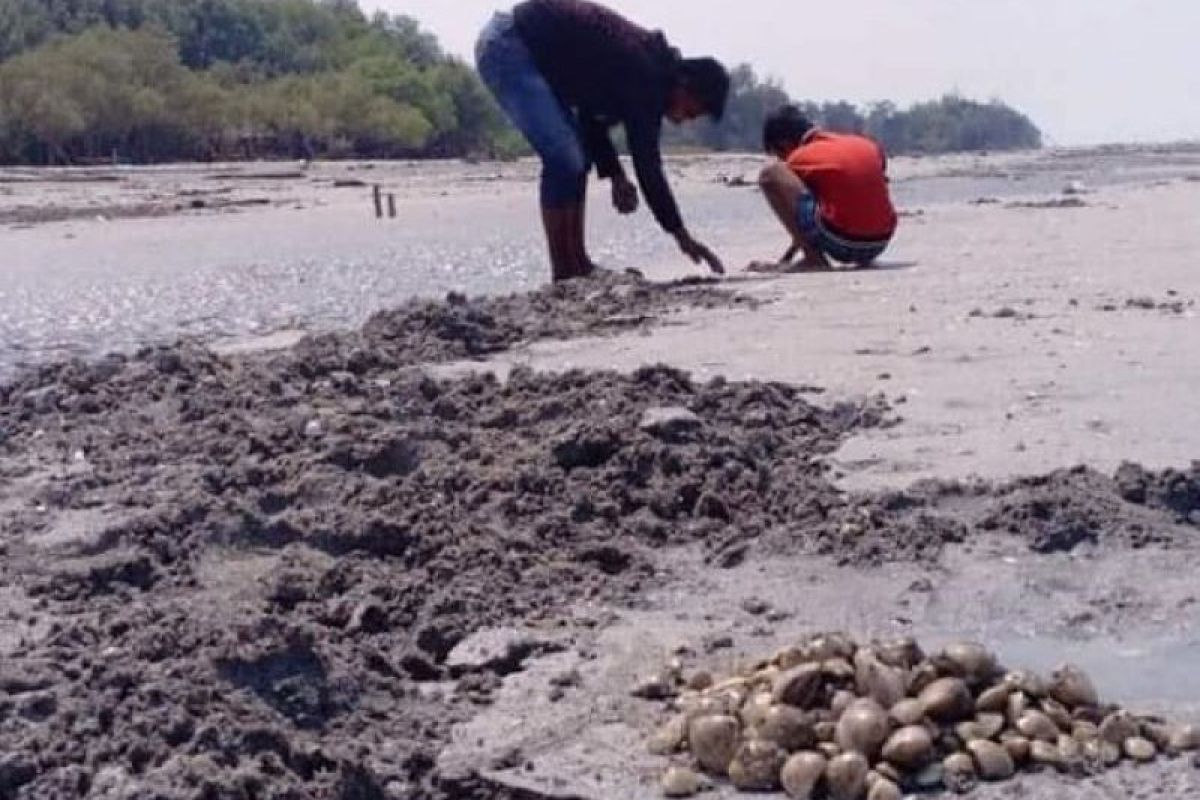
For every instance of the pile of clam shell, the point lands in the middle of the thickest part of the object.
(830, 718)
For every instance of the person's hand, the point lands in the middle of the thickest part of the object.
(697, 252)
(624, 195)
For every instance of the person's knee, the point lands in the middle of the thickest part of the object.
(773, 176)
(564, 176)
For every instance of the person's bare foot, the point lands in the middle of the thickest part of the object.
(820, 264)
(767, 267)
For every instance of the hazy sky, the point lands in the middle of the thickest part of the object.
(1086, 71)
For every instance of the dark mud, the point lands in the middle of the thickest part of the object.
(244, 577)
(460, 327)
(1065, 511)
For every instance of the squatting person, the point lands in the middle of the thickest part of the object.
(565, 72)
(829, 190)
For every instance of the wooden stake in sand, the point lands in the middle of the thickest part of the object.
(391, 206)
(378, 193)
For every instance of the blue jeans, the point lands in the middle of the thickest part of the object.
(508, 69)
(835, 246)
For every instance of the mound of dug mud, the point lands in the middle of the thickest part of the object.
(459, 327)
(230, 581)
(1063, 511)
(244, 577)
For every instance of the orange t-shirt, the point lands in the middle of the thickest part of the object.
(848, 175)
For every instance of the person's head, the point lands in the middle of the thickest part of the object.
(702, 89)
(784, 130)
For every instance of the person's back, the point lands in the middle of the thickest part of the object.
(597, 59)
(848, 175)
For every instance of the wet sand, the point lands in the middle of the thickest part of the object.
(278, 247)
(337, 571)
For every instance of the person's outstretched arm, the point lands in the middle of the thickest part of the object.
(644, 147)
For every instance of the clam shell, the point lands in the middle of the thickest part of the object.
(907, 712)
(992, 760)
(841, 701)
(889, 772)
(1029, 683)
(1159, 734)
(755, 710)
(706, 706)
(788, 727)
(838, 670)
(863, 729)
(1046, 755)
(1099, 754)
(1017, 746)
(1140, 749)
(947, 700)
(902, 653)
(846, 777)
(984, 726)
(1118, 727)
(1083, 731)
(1058, 713)
(874, 679)
(831, 645)
(1018, 704)
(921, 677)
(802, 774)
(829, 749)
(1072, 751)
(756, 766)
(909, 748)
(681, 782)
(799, 687)
(714, 742)
(994, 700)
(1110, 754)
(959, 774)
(1072, 687)
(1185, 738)
(1036, 725)
(670, 737)
(973, 661)
(884, 789)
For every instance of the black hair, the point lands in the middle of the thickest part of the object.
(785, 127)
(708, 80)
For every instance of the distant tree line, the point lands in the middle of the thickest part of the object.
(950, 124)
(158, 80)
(152, 80)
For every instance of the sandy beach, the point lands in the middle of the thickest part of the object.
(355, 538)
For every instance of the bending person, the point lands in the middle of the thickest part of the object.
(565, 72)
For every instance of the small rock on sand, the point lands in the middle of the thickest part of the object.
(669, 423)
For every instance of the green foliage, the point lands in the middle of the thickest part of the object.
(180, 79)
(152, 80)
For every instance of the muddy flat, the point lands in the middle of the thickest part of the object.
(432, 554)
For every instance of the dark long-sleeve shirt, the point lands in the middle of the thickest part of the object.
(612, 72)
